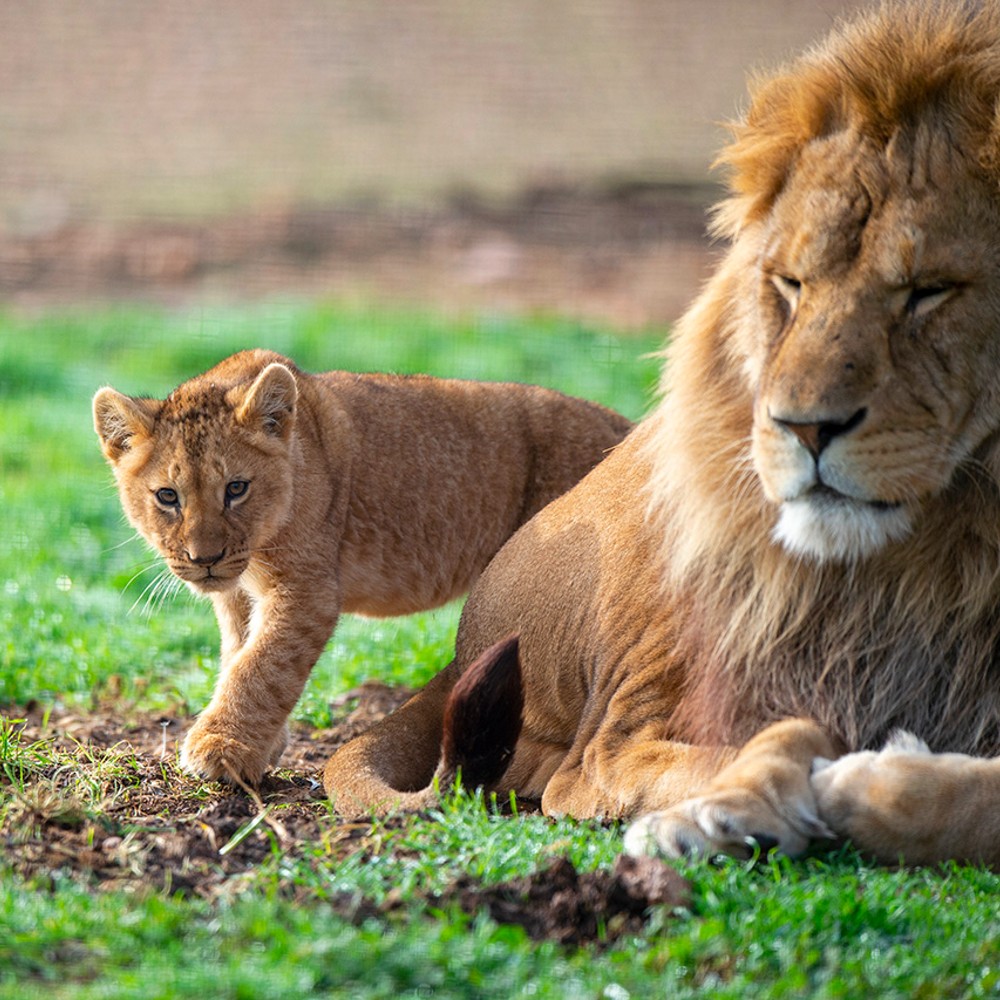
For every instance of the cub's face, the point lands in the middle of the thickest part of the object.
(872, 344)
(207, 499)
(206, 475)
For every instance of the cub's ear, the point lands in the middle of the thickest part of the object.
(120, 419)
(269, 403)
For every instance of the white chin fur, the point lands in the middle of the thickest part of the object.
(838, 530)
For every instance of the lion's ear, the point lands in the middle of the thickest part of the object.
(269, 404)
(120, 420)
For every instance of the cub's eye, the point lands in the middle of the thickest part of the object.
(167, 497)
(921, 300)
(236, 489)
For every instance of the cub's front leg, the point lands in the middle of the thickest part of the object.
(269, 646)
(906, 804)
(761, 800)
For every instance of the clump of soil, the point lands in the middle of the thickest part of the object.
(560, 904)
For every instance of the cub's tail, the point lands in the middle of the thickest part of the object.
(462, 723)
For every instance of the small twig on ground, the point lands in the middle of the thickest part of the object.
(264, 814)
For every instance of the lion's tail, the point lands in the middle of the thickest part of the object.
(462, 723)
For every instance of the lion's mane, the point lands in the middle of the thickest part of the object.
(909, 637)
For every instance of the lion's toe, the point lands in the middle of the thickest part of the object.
(666, 834)
(738, 824)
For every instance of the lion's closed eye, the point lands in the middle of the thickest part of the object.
(923, 299)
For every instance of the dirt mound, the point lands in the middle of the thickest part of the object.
(560, 904)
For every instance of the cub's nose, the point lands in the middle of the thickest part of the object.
(816, 435)
(210, 560)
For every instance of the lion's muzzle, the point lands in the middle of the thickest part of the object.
(816, 470)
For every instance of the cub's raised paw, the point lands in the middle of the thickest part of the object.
(733, 821)
(219, 756)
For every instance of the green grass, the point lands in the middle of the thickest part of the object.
(819, 928)
(824, 927)
(73, 584)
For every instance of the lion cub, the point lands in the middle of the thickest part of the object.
(288, 497)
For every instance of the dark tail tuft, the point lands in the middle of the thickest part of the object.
(482, 719)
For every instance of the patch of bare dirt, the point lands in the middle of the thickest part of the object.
(632, 255)
(106, 800)
(106, 803)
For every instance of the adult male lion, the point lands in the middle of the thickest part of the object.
(800, 547)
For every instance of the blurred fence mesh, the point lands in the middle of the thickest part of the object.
(549, 155)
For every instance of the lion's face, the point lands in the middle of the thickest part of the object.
(873, 341)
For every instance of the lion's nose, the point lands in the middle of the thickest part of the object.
(210, 560)
(816, 435)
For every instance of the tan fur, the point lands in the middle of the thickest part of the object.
(809, 524)
(903, 802)
(366, 493)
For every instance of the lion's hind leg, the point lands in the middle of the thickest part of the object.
(622, 762)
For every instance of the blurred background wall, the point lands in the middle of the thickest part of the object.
(529, 154)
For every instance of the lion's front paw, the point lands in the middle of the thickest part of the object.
(217, 752)
(732, 821)
(900, 802)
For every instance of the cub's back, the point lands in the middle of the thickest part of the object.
(448, 469)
